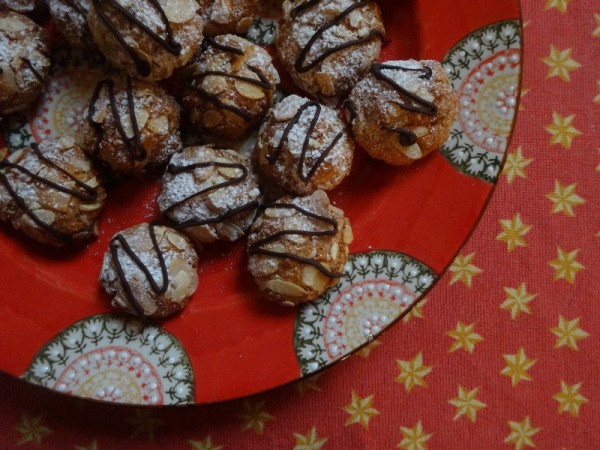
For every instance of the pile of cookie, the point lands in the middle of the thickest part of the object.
(296, 239)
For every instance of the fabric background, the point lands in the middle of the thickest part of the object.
(503, 352)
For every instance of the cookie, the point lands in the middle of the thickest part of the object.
(150, 270)
(403, 110)
(298, 247)
(304, 146)
(230, 86)
(24, 62)
(131, 126)
(327, 46)
(147, 39)
(209, 194)
(52, 193)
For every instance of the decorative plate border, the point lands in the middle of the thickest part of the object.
(378, 288)
(115, 358)
(484, 68)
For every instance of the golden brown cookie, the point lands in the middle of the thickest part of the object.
(150, 270)
(304, 146)
(131, 125)
(209, 194)
(327, 46)
(52, 193)
(147, 39)
(230, 86)
(298, 247)
(24, 62)
(403, 110)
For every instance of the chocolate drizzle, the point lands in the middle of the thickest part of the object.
(194, 82)
(120, 243)
(168, 43)
(273, 157)
(88, 194)
(411, 102)
(300, 64)
(258, 247)
(134, 144)
(170, 211)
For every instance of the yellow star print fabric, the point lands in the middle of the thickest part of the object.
(503, 353)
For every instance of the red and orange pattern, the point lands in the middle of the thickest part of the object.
(503, 353)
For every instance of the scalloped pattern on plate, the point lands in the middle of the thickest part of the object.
(484, 68)
(378, 288)
(117, 359)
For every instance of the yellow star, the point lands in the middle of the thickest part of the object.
(517, 300)
(254, 416)
(467, 404)
(569, 398)
(560, 63)
(565, 266)
(414, 438)
(515, 165)
(144, 423)
(596, 32)
(310, 441)
(32, 429)
(517, 367)
(309, 384)
(568, 333)
(412, 372)
(564, 199)
(560, 5)
(93, 446)
(464, 337)
(205, 444)
(562, 131)
(463, 270)
(360, 410)
(513, 231)
(416, 311)
(521, 433)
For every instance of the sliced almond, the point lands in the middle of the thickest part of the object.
(285, 288)
(277, 213)
(100, 114)
(46, 216)
(285, 111)
(212, 118)
(92, 182)
(214, 84)
(87, 207)
(159, 125)
(231, 231)
(177, 240)
(334, 251)
(314, 278)
(244, 24)
(58, 200)
(420, 131)
(348, 236)
(247, 89)
(180, 11)
(413, 151)
(80, 163)
(15, 157)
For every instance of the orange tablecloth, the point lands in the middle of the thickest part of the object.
(502, 353)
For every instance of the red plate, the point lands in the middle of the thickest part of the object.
(59, 331)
